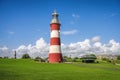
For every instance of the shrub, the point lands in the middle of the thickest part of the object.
(104, 59)
(118, 57)
(74, 60)
(107, 60)
(97, 61)
(6, 57)
(37, 59)
(25, 56)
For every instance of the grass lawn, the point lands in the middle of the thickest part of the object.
(21, 69)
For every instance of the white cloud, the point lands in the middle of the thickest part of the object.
(40, 43)
(41, 48)
(96, 39)
(75, 16)
(110, 15)
(69, 32)
(11, 32)
(5, 52)
(97, 44)
(86, 46)
(115, 46)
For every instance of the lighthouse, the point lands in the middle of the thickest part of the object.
(55, 55)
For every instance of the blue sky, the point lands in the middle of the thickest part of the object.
(25, 21)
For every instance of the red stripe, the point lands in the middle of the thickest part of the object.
(55, 41)
(55, 26)
(55, 57)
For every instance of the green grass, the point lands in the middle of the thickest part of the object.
(117, 61)
(21, 69)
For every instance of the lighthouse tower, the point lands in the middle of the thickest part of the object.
(55, 55)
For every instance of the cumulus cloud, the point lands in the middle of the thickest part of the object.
(96, 39)
(97, 44)
(75, 49)
(5, 52)
(69, 32)
(41, 43)
(41, 48)
(75, 18)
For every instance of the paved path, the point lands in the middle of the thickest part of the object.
(117, 64)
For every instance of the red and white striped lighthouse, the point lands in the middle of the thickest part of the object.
(55, 55)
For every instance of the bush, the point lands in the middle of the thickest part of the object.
(107, 60)
(6, 57)
(40, 59)
(25, 56)
(118, 57)
(0, 57)
(74, 60)
(97, 61)
(37, 59)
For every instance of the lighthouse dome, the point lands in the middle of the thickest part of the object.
(55, 18)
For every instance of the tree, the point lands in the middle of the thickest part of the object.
(76, 58)
(25, 56)
(65, 57)
(6, 57)
(118, 57)
(37, 59)
(15, 55)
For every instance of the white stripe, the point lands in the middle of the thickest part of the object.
(55, 49)
(55, 33)
(54, 21)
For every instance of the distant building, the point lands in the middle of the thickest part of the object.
(108, 56)
(88, 58)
